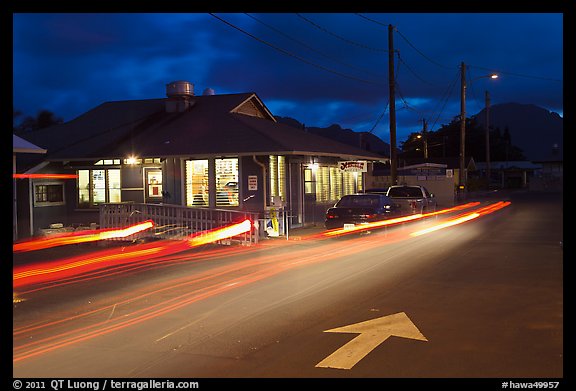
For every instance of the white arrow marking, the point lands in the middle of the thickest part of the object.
(372, 333)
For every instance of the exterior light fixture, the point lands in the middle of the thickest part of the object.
(131, 160)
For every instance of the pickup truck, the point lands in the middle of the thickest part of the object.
(412, 199)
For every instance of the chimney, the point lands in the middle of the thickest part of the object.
(180, 96)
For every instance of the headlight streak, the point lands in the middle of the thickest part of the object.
(218, 283)
(80, 237)
(462, 218)
(395, 221)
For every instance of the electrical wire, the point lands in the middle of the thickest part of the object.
(407, 41)
(348, 41)
(287, 53)
(311, 48)
(515, 74)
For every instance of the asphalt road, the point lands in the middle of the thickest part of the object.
(483, 299)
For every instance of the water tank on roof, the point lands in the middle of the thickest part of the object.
(209, 91)
(179, 88)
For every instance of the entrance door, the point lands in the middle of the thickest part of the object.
(153, 185)
(296, 192)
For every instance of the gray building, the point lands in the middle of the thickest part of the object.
(218, 151)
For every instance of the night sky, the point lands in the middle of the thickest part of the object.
(319, 68)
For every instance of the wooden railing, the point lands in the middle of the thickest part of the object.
(174, 221)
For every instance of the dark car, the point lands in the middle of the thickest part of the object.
(359, 209)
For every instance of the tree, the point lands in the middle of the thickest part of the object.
(43, 119)
(445, 142)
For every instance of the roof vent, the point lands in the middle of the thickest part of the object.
(179, 88)
(180, 94)
(209, 91)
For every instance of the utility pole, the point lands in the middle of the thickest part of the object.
(461, 174)
(487, 123)
(391, 82)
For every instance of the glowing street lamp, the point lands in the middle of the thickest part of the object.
(461, 174)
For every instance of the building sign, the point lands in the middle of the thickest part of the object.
(252, 182)
(353, 166)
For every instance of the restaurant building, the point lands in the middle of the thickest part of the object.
(218, 151)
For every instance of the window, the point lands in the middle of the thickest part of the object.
(227, 182)
(197, 183)
(277, 170)
(352, 182)
(335, 183)
(323, 184)
(309, 184)
(98, 186)
(48, 194)
(329, 183)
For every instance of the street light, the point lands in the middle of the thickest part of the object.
(461, 174)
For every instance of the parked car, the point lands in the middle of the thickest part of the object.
(377, 190)
(412, 199)
(359, 209)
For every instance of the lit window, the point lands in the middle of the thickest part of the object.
(309, 185)
(98, 186)
(323, 184)
(227, 182)
(197, 183)
(277, 170)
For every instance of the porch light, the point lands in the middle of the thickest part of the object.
(131, 160)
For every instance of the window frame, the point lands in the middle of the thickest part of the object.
(37, 184)
(90, 204)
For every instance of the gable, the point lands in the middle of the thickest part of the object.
(254, 108)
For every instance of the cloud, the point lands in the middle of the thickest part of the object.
(320, 69)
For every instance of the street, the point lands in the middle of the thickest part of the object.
(481, 299)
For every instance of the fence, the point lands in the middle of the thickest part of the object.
(174, 221)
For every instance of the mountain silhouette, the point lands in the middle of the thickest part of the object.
(364, 140)
(535, 130)
(539, 133)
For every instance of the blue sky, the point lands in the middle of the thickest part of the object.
(319, 68)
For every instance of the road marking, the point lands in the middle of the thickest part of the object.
(372, 333)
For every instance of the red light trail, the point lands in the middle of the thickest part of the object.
(71, 267)
(150, 302)
(80, 237)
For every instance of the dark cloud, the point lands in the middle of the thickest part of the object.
(321, 69)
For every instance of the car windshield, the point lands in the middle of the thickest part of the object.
(358, 201)
(406, 191)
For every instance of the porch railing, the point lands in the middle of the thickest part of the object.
(174, 221)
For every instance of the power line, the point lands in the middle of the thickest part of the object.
(287, 53)
(447, 96)
(407, 41)
(420, 52)
(342, 38)
(379, 117)
(411, 71)
(310, 47)
(515, 74)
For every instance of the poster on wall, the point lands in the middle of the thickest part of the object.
(252, 182)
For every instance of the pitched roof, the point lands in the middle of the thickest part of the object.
(22, 146)
(213, 125)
